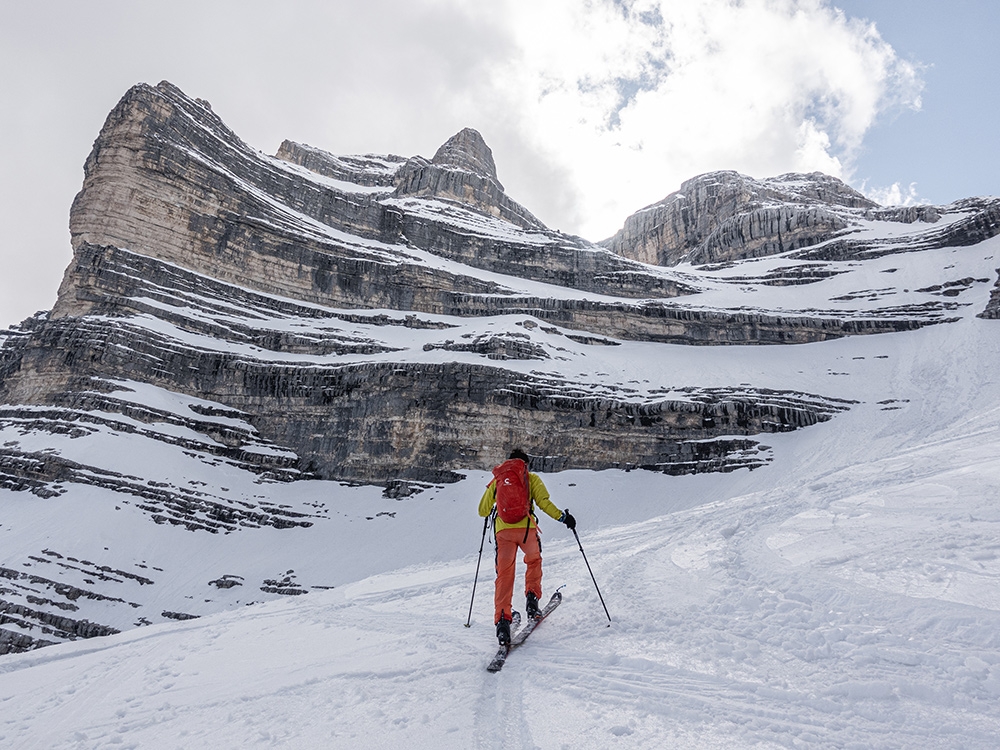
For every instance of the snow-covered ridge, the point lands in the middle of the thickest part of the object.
(368, 172)
(721, 217)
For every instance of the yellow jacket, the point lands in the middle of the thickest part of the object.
(536, 492)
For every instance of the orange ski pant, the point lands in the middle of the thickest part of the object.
(508, 541)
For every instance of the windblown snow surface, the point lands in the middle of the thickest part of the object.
(845, 595)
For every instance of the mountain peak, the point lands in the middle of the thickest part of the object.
(467, 150)
(463, 171)
(724, 215)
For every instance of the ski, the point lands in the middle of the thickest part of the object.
(501, 657)
(522, 635)
(533, 622)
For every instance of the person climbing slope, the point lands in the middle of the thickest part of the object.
(514, 491)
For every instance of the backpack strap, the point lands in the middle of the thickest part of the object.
(531, 504)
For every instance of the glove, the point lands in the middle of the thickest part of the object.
(568, 520)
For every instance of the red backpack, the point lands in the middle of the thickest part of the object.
(513, 495)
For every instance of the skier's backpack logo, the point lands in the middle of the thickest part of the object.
(513, 503)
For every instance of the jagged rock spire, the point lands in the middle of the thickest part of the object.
(463, 171)
(467, 150)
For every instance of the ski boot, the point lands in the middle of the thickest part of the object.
(531, 606)
(503, 631)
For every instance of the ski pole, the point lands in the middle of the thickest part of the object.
(486, 522)
(592, 575)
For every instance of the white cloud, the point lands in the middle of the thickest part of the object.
(894, 195)
(631, 97)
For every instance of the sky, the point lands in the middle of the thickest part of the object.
(593, 108)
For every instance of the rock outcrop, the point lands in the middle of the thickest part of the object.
(725, 216)
(992, 311)
(463, 171)
(366, 171)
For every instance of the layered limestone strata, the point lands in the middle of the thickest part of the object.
(463, 171)
(206, 268)
(725, 216)
(369, 170)
(108, 280)
(377, 421)
(48, 620)
(992, 311)
(168, 179)
(978, 219)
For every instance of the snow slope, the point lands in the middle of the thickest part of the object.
(845, 595)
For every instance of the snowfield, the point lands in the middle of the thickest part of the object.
(847, 595)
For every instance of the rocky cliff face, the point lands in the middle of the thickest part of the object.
(992, 311)
(314, 388)
(189, 243)
(463, 171)
(190, 247)
(233, 324)
(724, 216)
